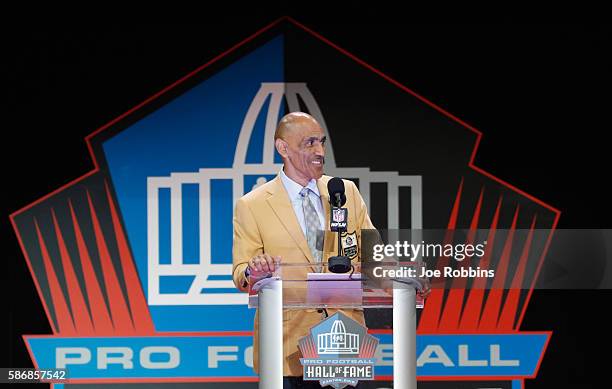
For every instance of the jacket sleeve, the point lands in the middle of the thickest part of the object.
(246, 243)
(364, 222)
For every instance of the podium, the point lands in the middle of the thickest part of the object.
(304, 286)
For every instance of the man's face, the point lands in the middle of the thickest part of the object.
(306, 150)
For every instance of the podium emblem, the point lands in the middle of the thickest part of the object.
(338, 352)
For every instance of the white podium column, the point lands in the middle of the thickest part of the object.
(271, 335)
(404, 337)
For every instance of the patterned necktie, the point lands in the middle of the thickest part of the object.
(311, 219)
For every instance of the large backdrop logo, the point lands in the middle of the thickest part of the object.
(133, 261)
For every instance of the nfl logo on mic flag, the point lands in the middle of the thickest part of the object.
(339, 218)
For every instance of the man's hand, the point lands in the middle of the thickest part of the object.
(425, 291)
(263, 264)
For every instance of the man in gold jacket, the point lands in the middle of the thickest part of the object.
(271, 225)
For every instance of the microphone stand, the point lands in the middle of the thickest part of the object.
(339, 263)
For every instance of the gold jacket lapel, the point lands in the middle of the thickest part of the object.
(281, 205)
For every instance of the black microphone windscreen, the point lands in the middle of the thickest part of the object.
(335, 187)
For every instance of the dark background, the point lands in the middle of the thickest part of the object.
(539, 93)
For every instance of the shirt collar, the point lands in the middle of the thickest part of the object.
(293, 188)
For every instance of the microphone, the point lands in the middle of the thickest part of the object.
(338, 219)
(335, 187)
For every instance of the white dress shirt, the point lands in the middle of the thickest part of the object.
(293, 189)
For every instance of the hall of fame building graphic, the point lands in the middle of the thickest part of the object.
(338, 340)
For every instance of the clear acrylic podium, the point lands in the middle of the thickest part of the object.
(303, 286)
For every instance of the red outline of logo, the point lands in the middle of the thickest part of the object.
(96, 169)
